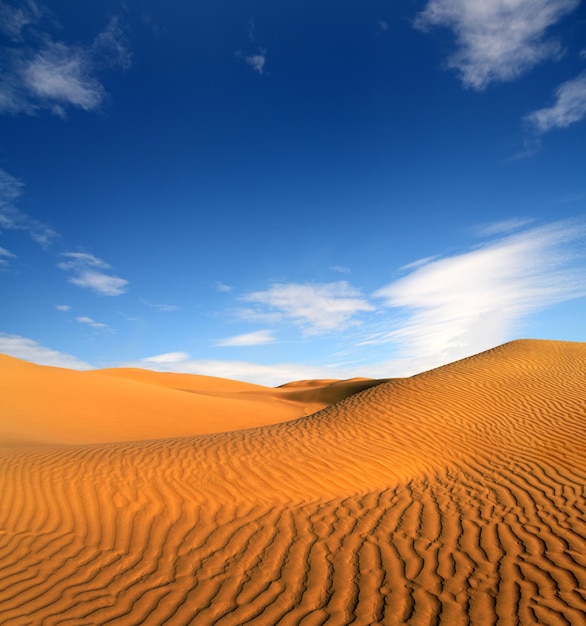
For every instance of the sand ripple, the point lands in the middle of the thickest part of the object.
(454, 497)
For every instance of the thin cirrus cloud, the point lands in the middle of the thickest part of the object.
(569, 107)
(162, 307)
(97, 326)
(316, 308)
(499, 40)
(87, 272)
(4, 255)
(460, 305)
(256, 338)
(12, 218)
(41, 73)
(502, 227)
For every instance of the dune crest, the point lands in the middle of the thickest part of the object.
(453, 497)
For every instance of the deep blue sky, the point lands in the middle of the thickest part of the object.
(270, 191)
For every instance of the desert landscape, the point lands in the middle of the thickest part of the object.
(456, 496)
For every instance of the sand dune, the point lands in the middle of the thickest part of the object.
(42, 405)
(457, 496)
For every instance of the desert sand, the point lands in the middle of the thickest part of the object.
(457, 496)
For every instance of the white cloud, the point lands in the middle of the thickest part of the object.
(222, 288)
(383, 25)
(498, 40)
(255, 61)
(569, 107)
(11, 218)
(257, 338)
(461, 305)
(63, 307)
(98, 326)
(168, 357)
(59, 75)
(40, 73)
(317, 308)
(85, 269)
(30, 350)
(418, 263)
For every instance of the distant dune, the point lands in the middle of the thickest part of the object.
(42, 405)
(457, 496)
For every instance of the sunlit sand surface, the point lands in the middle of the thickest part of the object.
(454, 497)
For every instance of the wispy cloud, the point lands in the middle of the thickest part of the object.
(457, 306)
(569, 107)
(258, 316)
(256, 338)
(63, 307)
(497, 40)
(256, 61)
(4, 255)
(317, 308)
(502, 227)
(86, 270)
(41, 73)
(223, 288)
(342, 269)
(12, 218)
(13, 19)
(30, 350)
(162, 308)
(97, 326)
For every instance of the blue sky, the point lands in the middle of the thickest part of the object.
(276, 191)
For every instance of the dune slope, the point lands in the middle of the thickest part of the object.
(457, 496)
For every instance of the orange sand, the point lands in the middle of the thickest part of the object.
(454, 497)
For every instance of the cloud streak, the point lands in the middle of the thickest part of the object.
(497, 40)
(97, 326)
(87, 272)
(4, 255)
(256, 338)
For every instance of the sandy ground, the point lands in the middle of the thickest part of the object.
(457, 496)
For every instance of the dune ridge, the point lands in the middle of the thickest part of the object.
(457, 496)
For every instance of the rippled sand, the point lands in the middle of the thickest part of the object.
(453, 497)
